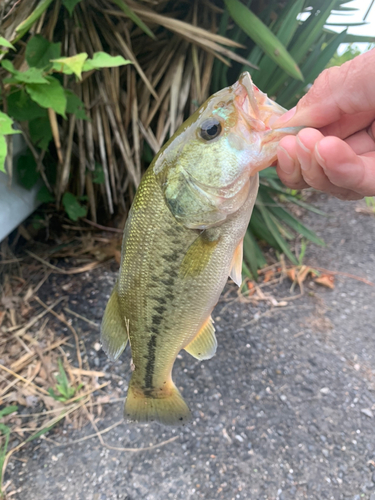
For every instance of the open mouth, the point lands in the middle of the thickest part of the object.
(247, 105)
(250, 105)
(256, 104)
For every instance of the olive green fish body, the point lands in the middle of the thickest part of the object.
(170, 280)
(182, 239)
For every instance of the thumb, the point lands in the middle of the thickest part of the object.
(337, 91)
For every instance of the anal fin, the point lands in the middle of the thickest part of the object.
(204, 344)
(113, 333)
(236, 268)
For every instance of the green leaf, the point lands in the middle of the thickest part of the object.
(288, 24)
(5, 129)
(31, 75)
(40, 51)
(271, 225)
(104, 60)
(55, 396)
(6, 125)
(98, 174)
(38, 222)
(268, 173)
(274, 186)
(359, 39)
(44, 195)
(62, 378)
(247, 273)
(263, 37)
(21, 107)
(63, 386)
(49, 96)
(3, 153)
(40, 132)
(75, 106)
(306, 38)
(8, 410)
(312, 67)
(4, 43)
(310, 31)
(288, 219)
(249, 253)
(218, 67)
(69, 65)
(305, 205)
(33, 17)
(27, 172)
(260, 259)
(260, 230)
(133, 16)
(8, 65)
(72, 207)
(70, 4)
(4, 429)
(254, 57)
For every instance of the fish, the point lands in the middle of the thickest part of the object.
(182, 239)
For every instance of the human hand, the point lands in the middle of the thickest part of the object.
(339, 158)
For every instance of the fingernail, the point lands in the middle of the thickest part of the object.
(319, 157)
(305, 162)
(284, 118)
(286, 162)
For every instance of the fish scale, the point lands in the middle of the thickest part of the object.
(182, 239)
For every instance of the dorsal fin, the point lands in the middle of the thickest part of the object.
(204, 344)
(236, 267)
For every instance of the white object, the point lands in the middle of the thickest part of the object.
(16, 202)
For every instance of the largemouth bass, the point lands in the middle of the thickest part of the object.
(182, 240)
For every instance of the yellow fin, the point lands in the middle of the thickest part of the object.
(236, 268)
(169, 408)
(113, 332)
(199, 253)
(204, 344)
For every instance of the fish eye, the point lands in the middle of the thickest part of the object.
(210, 129)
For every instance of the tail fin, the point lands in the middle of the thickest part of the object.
(168, 409)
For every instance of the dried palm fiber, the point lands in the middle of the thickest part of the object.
(127, 106)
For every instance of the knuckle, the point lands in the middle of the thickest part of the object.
(320, 88)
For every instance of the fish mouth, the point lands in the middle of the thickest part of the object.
(256, 103)
(257, 109)
(247, 94)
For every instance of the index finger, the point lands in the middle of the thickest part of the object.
(338, 91)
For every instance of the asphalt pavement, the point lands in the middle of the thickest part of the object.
(285, 410)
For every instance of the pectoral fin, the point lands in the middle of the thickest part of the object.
(236, 267)
(113, 333)
(199, 253)
(203, 346)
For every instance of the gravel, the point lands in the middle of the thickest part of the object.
(283, 411)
